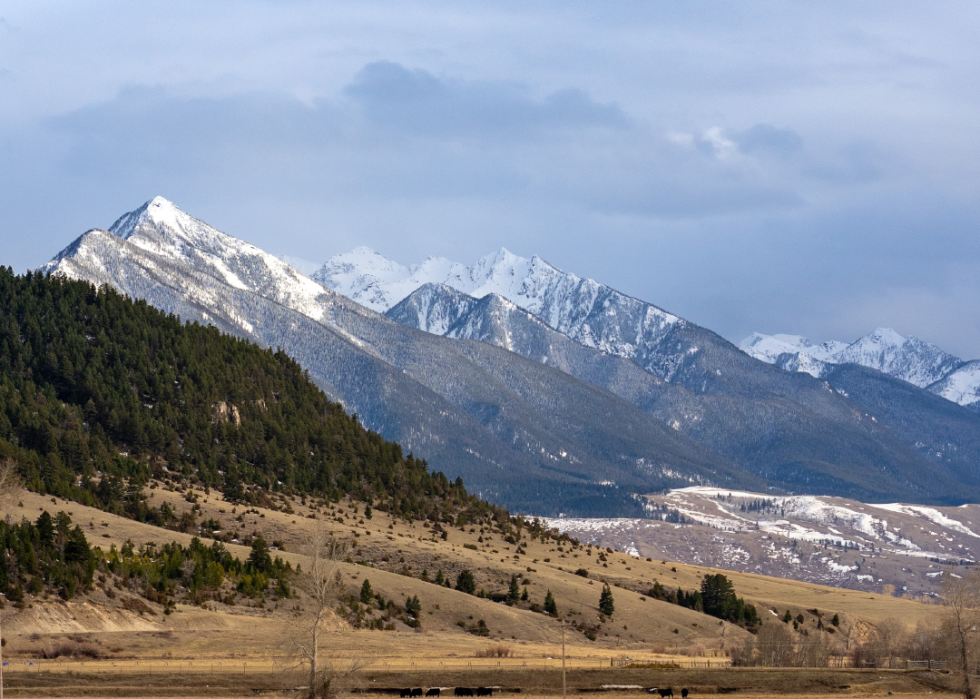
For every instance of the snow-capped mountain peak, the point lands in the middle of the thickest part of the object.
(884, 349)
(585, 310)
(158, 211)
(768, 348)
(160, 228)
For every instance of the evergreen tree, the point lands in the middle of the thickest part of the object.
(413, 607)
(233, 489)
(718, 596)
(260, 559)
(465, 582)
(440, 578)
(606, 605)
(367, 594)
(836, 620)
(549, 604)
(525, 596)
(514, 593)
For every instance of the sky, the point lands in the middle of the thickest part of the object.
(805, 168)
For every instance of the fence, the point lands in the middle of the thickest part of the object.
(925, 664)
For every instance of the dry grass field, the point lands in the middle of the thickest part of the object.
(237, 650)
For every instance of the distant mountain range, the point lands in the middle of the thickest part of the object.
(547, 392)
(906, 358)
(588, 329)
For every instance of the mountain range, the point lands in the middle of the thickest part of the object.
(908, 358)
(549, 393)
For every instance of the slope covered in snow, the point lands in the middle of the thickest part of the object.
(961, 386)
(833, 541)
(791, 352)
(585, 310)
(907, 358)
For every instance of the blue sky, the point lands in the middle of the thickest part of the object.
(781, 167)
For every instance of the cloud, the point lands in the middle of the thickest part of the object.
(748, 167)
(395, 133)
(767, 139)
(416, 101)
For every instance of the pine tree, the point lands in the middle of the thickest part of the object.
(549, 604)
(606, 605)
(525, 596)
(260, 559)
(514, 593)
(367, 594)
(465, 582)
(233, 491)
(440, 578)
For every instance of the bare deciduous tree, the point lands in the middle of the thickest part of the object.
(319, 580)
(961, 597)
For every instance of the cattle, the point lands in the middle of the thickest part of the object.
(416, 691)
(407, 692)
(669, 692)
(684, 692)
(433, 692)
(464, 692)
(484, 691)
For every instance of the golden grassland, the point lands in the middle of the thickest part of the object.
(237, 648)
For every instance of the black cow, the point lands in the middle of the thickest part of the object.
(434, 692)
(684, 692)
(416, 691)
(484, 691)
(407, 692)
(669, 692)
(464, 692)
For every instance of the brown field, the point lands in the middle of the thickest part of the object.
(221, 650)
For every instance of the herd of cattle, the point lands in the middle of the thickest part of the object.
(488, 692)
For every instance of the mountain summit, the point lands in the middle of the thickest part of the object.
(591, 313)
(545, 391)
(907, 358)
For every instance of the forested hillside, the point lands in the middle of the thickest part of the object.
(97, 391)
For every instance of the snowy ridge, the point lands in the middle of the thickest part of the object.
(583, 309)
(161, 229)
(961, 386)
(792, 352)
(907, 358)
